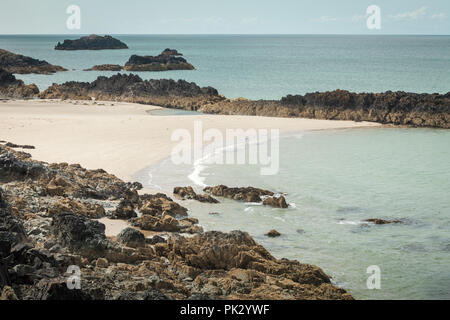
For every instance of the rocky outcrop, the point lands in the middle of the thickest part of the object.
(249, 194)
(92, 42)
(131, 237)
(10, 87)
(276, 202)
(131, 88)
(105, 67)
(382, 221)
(169, 59)
(273, 234)
(17, 63)
(398, 108)
(189, 193)
(38, 244)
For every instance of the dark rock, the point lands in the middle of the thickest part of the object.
(168, 60)
(105, 67)
(80, 233)
(273, 233)
(189, 193)
(92, 42)
(48, 289)
(16, 63)
(13, 145)
(10, 87)
(131, 237)
(155, 240)
(277, 202)
(381, 221)
(131, 88)
(125, 210)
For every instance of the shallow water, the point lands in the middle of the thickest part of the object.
(264, 66)
(334, 180)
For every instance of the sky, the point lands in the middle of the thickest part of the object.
(225, 17)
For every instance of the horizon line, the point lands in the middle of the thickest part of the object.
(229, 34)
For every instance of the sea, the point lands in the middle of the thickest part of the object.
(333, 180)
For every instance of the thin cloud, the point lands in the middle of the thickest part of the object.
(250, 20)
(411, 15)
(325, 19)
(439, 16)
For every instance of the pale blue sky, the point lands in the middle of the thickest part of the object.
(225, 16)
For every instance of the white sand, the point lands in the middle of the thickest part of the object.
(121, 139)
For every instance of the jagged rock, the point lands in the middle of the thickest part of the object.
(398, 108)
(13, 145)
(381, 221)
(189, 193)
(125, 210)
(93, 211)
(80, 233)
(155, 240)
(17, 63)
(168, 60)
(151, 223)
(273, 233)
(102, 263)
(131, 88)
(131, 237)
(160, 204)
(248, 194)
(10, 87)
(277, 202)
(8, 294)
(56, 289)
(92, 42)
(105, 67)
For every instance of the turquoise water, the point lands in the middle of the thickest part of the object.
(334, 180)
(265, 66)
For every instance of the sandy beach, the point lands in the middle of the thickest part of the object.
(121, 138)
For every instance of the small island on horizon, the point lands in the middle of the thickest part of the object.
(91, 42)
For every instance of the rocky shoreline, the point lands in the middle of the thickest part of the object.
(48, 222)
(396, 108)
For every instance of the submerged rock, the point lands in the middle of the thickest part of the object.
(92, 42)
(273, 233)
(381, 221)
(17, 63)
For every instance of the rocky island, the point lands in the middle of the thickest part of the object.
(169, 59)
(92, 42)
(49, 221)
(17, 63)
